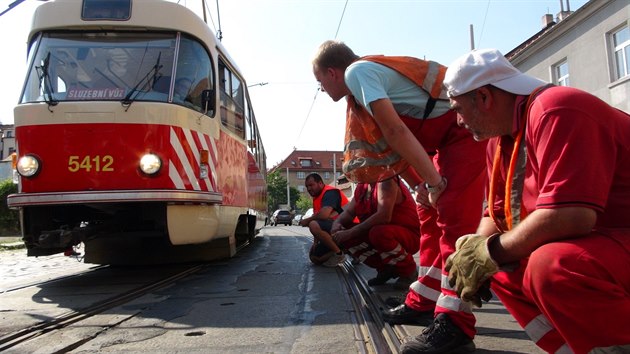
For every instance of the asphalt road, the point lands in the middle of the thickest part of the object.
(267, 299)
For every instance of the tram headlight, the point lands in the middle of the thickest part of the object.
(150, 164)
(27, 166)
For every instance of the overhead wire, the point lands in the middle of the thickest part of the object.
(341, 19)
(319, 88)
(205, 7)
(211, 19)
(483, 25)
(11, 6)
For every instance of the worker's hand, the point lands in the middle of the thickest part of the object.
(433, 198)
(470, 267)
(341, 236)
(483, 293)
(436, 191)
(422, 197)
(336, 227)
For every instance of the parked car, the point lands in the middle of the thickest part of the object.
(296, 219)
(281, 217)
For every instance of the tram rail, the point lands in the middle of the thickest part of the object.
(375, 336)
(50, 281)
(21, 336)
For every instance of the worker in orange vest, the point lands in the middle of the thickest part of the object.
(399, 121)
(328, 203)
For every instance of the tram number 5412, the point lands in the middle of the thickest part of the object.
(87, 163)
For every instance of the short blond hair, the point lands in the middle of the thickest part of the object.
(334, 54)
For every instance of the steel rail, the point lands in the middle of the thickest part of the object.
(23, 335)
(376, 335)
(50, 281)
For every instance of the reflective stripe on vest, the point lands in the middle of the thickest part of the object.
(367, 158)
(426, 74)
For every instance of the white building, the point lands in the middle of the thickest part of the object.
(587, 49)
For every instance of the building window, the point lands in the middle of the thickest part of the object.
(301, 189)
(326, 175)
(306, 163)
(301, 175)
(561, 73)
(621, 48)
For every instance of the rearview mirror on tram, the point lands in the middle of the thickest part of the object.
(207, 101)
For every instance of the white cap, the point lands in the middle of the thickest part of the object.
(487, 66)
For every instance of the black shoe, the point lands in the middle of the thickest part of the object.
(383, 276)
(405, 315)
(395, 301)
(443, 336)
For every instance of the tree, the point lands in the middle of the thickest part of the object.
(304, 203)
(9, 218)
(277, 192)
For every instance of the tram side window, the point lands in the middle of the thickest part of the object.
(249, 131)
(232, 94)
(194, 75)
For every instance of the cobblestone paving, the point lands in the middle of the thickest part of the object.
(16, 269)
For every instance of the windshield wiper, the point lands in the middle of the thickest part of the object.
(44, 81)
(150, 77)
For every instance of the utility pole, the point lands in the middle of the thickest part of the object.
(288, 190)
(335, 168)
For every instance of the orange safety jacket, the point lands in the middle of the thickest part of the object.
(367, 156)
(317, 202)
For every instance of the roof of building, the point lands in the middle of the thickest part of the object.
(565, 23)
(319, 160)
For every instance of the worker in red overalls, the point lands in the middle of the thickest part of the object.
(554, 243)
(399, 121)
(388, 233)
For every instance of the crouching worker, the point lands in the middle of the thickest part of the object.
(554, 244)
(328, 203)
(388, 233)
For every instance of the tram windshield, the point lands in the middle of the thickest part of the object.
(115, 66)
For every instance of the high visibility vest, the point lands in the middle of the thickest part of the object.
(317, 201)
(367, 156)
(427, 74)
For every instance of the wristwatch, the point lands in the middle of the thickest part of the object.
(438, 187)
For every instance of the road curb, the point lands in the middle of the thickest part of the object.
(12, 246)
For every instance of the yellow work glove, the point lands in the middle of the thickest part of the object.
(470, 268)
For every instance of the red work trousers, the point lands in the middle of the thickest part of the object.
(459, 211)
(574, 293)
(386, 245)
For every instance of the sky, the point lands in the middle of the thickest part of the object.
(273, 43)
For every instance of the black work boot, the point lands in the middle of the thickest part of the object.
(383, 276)
(443, 336)
(405, 315)
(395, 301)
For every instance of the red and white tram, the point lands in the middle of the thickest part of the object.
(135, 135)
